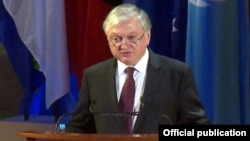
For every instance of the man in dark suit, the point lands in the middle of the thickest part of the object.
(165, 90)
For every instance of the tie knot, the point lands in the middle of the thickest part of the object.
(130, 70)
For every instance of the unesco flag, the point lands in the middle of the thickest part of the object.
(218, 52)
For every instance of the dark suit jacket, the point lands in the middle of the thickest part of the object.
(170, 90)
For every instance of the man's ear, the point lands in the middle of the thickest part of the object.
(148, 36)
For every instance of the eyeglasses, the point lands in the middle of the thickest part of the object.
(131, 40)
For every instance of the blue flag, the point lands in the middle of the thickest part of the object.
(218, 52)
(35, 31)
(42, 28)
(179, 29)
(161, 16)
(21, 59)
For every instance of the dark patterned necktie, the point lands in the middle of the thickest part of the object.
(126, 102)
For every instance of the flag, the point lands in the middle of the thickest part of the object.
(179, 29)
(41, 27)
(21, 59)
(169, 25)
(218, 52)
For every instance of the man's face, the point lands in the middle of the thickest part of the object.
(128, 41)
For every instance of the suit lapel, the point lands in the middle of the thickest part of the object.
(153, 80)
(109, 88)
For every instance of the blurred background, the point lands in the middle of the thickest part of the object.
(46, 45)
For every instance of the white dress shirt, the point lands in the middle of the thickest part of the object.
(139, 77)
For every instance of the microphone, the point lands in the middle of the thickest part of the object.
(142, 106)
(113, 113)
(142, 102)
(133, 113)
(63, 119)
(60, 126)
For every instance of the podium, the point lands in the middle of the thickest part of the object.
(62, 136)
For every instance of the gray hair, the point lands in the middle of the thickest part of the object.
(123, 12)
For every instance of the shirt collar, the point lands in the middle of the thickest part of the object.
(141, 66)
